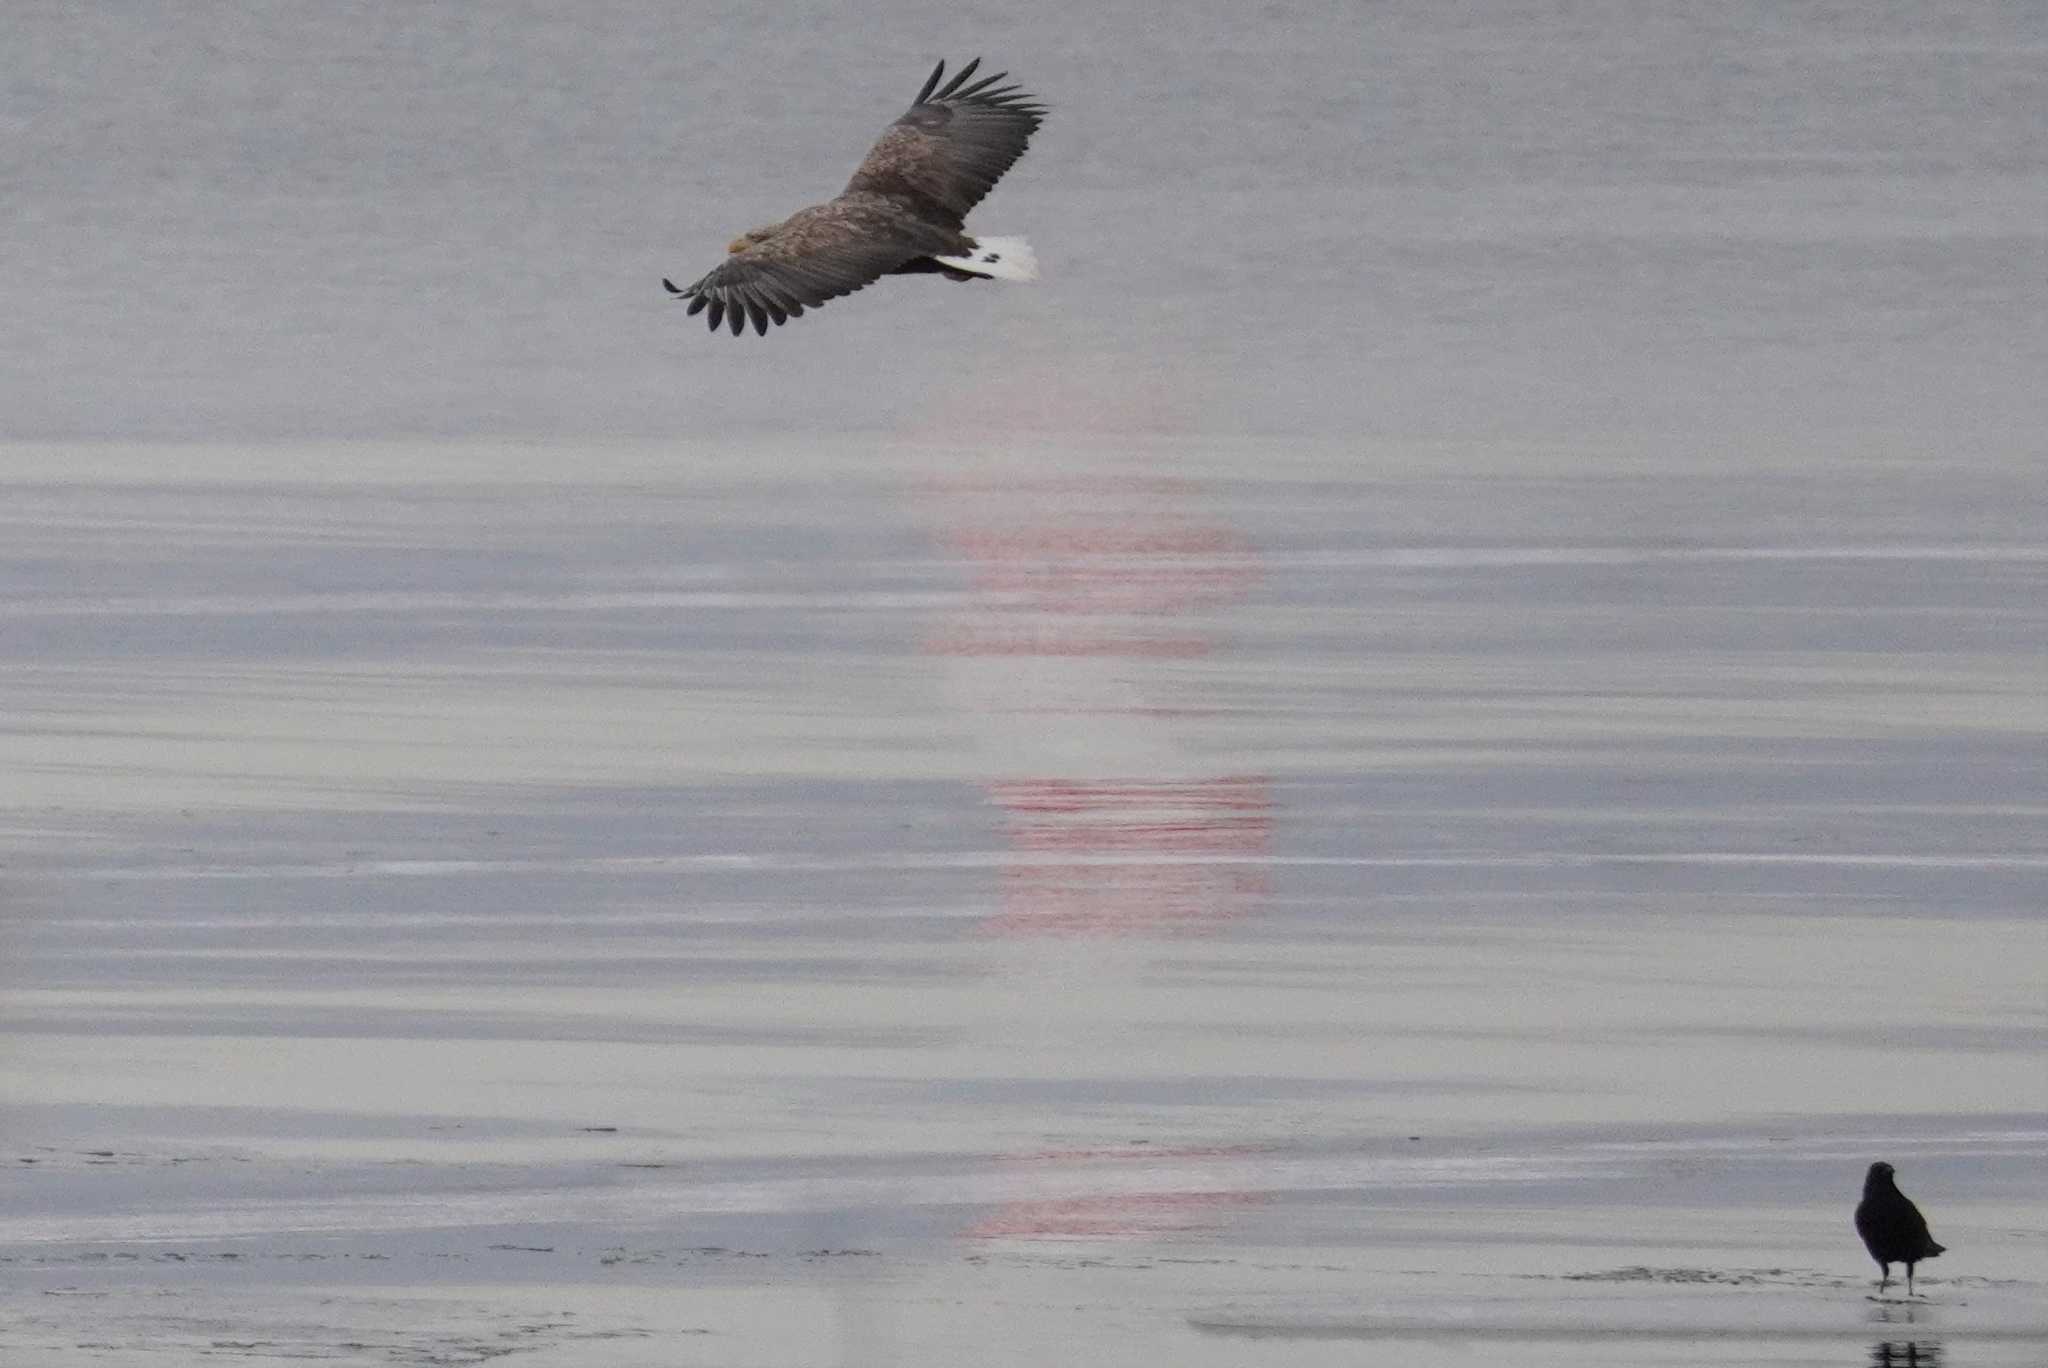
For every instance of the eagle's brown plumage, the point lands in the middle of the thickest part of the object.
(905, 206)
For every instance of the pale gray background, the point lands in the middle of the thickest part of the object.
(298, 219)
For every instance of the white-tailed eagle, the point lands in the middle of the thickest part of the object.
(903, 212)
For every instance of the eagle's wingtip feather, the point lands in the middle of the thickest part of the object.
(952, 87)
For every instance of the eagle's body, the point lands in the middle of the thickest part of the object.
(1892, 1228)
(903, 213)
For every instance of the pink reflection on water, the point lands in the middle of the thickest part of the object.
(1086, 589)
(1125, 1216)
(1026, 642)
(1129, 1212)
(1107, 569)
(1135, 838)
(1067, 565)
(1088, 596)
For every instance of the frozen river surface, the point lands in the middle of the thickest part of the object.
(898, 903)
(1417, 756)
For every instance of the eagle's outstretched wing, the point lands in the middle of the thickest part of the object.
(953, 145)
(902, 211)
(822, 253)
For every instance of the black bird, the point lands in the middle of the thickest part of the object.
(1892, 1228)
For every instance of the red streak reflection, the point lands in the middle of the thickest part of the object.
(1111, 1215)
(1228, 819)
(1051, 558)
(1076, 567)
(1127, 1216)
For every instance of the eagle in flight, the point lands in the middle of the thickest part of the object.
(903, 213)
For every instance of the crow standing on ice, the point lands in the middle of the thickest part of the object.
(1892, 1228)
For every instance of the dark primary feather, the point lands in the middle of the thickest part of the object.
(904, 205)
(955, 142)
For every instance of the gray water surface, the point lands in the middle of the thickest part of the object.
(1219, 903)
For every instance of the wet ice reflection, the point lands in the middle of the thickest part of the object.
(1004, 862)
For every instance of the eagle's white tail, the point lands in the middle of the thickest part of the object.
(998, 258)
